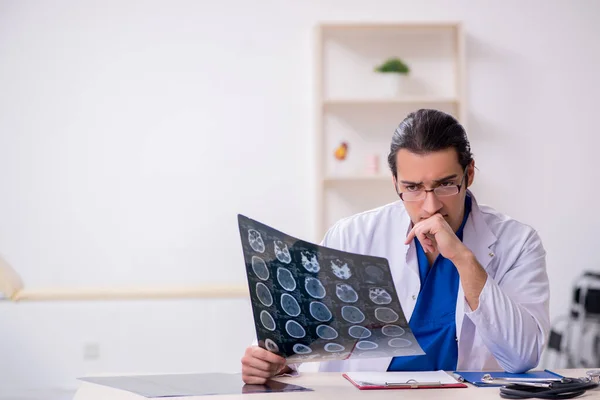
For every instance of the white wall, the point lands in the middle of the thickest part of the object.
(132, 132)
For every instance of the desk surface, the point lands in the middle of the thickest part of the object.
(330, 385)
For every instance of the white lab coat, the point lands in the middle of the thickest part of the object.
(508, 329)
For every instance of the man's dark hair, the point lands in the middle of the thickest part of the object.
(425, 131)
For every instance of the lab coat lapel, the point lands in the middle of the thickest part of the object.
(479, 238)
(406, 278)
(477, 235)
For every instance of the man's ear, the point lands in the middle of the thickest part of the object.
(471, 173)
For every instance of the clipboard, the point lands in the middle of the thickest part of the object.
(402, 380)
(475, 377)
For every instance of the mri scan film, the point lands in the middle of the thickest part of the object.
(313, 303)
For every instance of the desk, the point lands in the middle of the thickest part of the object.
(329, 385)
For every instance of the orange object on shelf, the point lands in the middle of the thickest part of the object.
(341, 152)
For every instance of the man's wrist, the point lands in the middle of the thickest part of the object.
(463, 257)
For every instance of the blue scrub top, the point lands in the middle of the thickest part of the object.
(433, 320)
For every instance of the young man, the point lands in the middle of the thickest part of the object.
(471, 281)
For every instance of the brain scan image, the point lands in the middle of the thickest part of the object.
(314, 303)
(334, 347)
(290, 305)
(345, 293)
(256, 240)
(379, 296)
(260, 268)
(314, 287)
(319, 311)
(399, 342)
(294, 329)
(326, 332)
(309, 261)
(267, 320)
(285, 279)
(340, 269)
(263, 294)
(359, 332)
(281, 252)
(352, 314)
(299, 348)
(366, 345)
(386, 315)
(271, 346)
(374, 275)
(392, 330)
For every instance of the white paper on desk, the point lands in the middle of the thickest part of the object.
(381, 378)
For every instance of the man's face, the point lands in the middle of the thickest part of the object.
(428, 171)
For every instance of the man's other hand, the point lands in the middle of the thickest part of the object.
(259, 364)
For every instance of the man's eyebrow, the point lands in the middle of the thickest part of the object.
(411, 183)
(447, 178)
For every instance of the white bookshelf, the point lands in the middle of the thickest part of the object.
(356, 105)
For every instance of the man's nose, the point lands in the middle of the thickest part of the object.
(432, 203)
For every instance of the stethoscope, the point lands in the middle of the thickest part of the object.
(543, 388)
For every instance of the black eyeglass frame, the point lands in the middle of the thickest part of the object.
(425, 191)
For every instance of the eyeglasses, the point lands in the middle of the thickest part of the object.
(440, 191)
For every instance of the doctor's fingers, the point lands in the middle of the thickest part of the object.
(256, 363)
(421, 231)
(253, 371)
(426, 225)
(414, 232)
(253, 376)
(262, 354)
(430, 242)
(426, 242)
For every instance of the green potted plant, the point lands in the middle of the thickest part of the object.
(396, 71)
